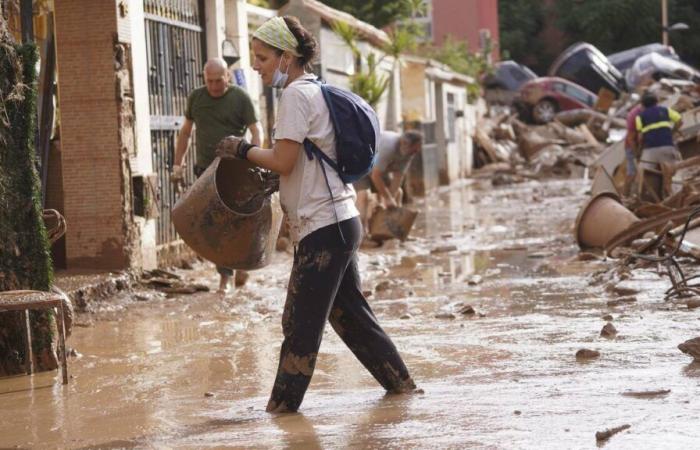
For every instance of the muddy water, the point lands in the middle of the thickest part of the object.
(195, 371)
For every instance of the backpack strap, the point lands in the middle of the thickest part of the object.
(312, 150)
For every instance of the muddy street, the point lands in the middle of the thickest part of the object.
(195, 371)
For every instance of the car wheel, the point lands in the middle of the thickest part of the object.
(544, 111)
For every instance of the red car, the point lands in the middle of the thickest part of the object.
(542, 98)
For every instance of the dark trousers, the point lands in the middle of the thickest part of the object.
(325, 286)
(223, 271)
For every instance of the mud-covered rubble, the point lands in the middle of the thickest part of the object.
(170, 283)
(650, 233)
(509, 150)
(83, 290)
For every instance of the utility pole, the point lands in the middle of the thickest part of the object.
(664, 22)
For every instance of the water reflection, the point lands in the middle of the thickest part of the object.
(195, 371)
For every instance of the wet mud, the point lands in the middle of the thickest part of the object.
(487, 301)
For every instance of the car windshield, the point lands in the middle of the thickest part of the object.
(574, 92)
(598, 61)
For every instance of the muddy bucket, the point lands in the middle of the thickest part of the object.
(391, 223)
(600, 219)
(223, 220)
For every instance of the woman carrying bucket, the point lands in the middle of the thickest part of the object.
(324, 284)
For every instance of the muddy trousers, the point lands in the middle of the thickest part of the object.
(325, 286)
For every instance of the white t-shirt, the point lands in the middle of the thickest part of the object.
(302, 113)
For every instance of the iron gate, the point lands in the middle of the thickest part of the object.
(175, 55)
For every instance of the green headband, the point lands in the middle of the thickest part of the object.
(275, 33)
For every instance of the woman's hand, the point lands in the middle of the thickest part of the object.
(233, 147)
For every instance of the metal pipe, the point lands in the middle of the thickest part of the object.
(664, 21)
(26, 21)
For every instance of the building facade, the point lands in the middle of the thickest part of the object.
(473, 21)
(122, 85)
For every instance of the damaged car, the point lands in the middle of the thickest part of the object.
(587, 66)
(653, 66)
(541, 99)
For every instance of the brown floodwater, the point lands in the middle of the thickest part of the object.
(195, 371)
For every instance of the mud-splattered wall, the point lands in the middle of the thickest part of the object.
(97, 136)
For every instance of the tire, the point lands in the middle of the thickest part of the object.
(544, 111)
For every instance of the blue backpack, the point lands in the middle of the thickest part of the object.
(356, 129)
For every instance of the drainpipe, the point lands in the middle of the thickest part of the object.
(664, 21)
(26, 15)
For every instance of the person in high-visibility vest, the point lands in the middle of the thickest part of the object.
(655, 126)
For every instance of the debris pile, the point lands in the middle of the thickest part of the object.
(170, 283)
(509, 150)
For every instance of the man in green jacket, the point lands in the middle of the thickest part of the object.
(217, 109)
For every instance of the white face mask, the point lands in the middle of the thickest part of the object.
(279, 79)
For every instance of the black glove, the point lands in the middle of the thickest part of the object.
(233, 147)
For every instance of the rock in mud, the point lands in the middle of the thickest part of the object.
(601, 436)
(467, 310)
(586, 353)
(691, 347)
(406, 317)
(608, 317)
(448, 316)
(693, 303)
(383, 286)
(208, 394)
(609, 331)
(367, 293)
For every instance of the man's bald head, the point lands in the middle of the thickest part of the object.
(215, 66)
(216, 77)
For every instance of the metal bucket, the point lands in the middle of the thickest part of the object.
(215, 218)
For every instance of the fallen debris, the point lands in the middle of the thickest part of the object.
(608, 433)
(585, 354)
(647, 394)
(185, 289)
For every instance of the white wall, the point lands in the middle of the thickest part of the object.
(142, 164)
(215, 26)
(236, 30)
